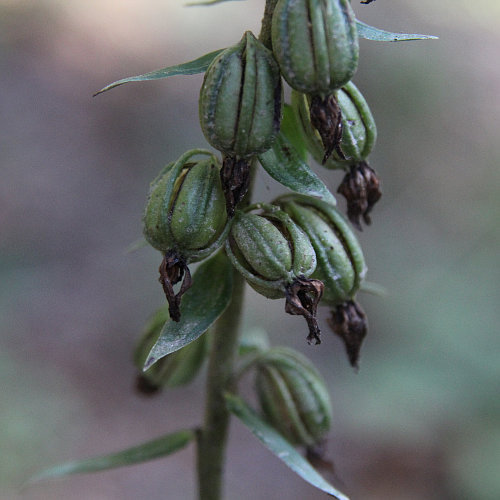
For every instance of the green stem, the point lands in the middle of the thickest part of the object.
(212, 436)
(265, 31)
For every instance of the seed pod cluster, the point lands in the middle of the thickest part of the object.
(340, 265)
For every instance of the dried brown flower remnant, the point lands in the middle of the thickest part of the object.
(326, 118)
(302, 297)
(172, 270)
(235, 179)
(348, 321)
(361, 189)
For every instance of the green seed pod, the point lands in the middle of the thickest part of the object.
(276, 257)
(340, 265)
(240, 110)
(176, 369)
(185, 209)
(360, 186)
(185, 218)
(359, 131)
(293, 396)
(340, 262)
(316, 44)
(241, 99)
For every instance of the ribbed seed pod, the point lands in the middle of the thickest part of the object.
(176, 369)
(240, 109)
(240, 100)
(276, 258)
(360, 186)
(359, 131)
(185, 218)
(293, 396)
(316, 45)
(340, 265)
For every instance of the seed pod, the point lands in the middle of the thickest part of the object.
(360, 186)
(176, 369)
(293, 396)
(340, 265)
(240, 109)
(316, 45)
(276, 258)
(359, 131)
(185, 219)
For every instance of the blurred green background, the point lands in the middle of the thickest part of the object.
(421, 419)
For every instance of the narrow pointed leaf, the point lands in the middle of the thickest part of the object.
(372, 33)
(160, 447)
(189, 68)
(278, 445)
(201, 305)
(284, 164)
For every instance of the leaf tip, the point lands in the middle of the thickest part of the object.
(149, 363)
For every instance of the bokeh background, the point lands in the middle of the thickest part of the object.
(421, 419)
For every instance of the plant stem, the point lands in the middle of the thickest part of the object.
(220, 379)
(265, 30)
(212, 438)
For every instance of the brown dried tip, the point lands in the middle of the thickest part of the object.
(326, 118)
(361, 189)
(302, 297)
(144, 387)
(235, 178)
(172, 270)
(348, 321)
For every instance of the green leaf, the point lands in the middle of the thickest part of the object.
(278, 445)
(372, 33)
(284, 164)
(291, 130)
(189, 68)
(201, 305)
(150, 450)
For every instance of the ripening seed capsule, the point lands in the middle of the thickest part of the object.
(340, 262)
(359, 131)
(276, 258)
(240, 110)
(185, 219)
(316, 44)
(241, 99)
(293, 396)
